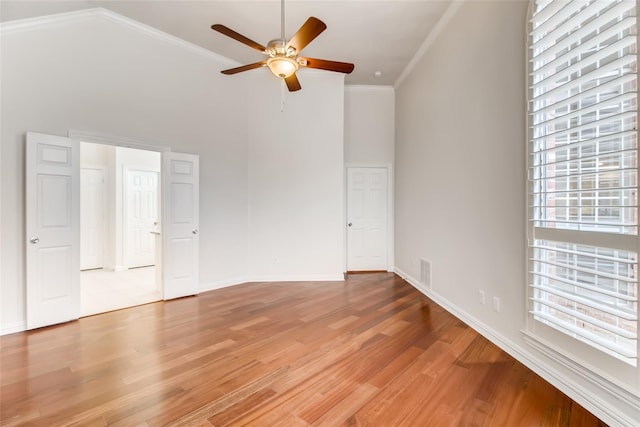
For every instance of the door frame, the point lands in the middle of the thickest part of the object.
(390, 210)
(72, 141)
(162, 149)
(117, 141)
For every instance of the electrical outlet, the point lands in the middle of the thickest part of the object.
(481, 295)
(496, 304)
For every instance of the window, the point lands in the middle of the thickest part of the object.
(583, 173)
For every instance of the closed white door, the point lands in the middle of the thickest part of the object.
(141, 207)
(92, 218)
(180, 216)
(52, 229)
(367, 219)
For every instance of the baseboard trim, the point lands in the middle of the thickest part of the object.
(365, 271)
(212, 286)
(13, 328)
(206, 287)
(619, 392)
(611, 416)
(267, 279)
(295, 278)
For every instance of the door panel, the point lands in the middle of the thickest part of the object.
(52, 229)
(181, 257)
(180, 250)
(367, 210)
(54, 263)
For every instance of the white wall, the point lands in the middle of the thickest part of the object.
(460, 162)
(296, 159)
(369, 125)
(277, 176)
(369, 139)
(95, 73)
(460, 187)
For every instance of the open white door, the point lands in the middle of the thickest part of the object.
(180, 202)
(52, 229)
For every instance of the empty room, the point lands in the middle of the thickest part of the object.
(310, 212)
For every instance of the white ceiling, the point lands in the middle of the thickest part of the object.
(375, 35)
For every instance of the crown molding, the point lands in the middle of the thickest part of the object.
(37, 23)
(370, 88)
(431, 38)
(20, 25)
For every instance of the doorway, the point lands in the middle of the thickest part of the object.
(119, 226)
(52, 231)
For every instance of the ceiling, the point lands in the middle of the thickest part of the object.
(375, 35)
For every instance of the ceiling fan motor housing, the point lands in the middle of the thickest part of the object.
(281, 60)
(278, 47)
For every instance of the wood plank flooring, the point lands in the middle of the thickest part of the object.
(371, 351)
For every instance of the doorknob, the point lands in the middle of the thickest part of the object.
(34, 240)
(350, 224)
(194, 231)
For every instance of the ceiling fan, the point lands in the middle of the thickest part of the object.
(283, 55)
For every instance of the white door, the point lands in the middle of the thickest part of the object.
(52, 229)
(180, 199)
(367, 205)
(92, 211)
(141, 207)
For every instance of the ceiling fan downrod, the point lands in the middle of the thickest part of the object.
(282, 19)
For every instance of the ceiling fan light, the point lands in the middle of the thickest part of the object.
(282, 67)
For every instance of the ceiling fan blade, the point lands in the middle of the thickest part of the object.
(237, 36)
(309, 31)
(292, 83)
(324, 64)
(244, 68)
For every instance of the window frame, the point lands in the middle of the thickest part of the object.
(543, 337)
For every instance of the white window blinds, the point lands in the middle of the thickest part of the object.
(583, 172)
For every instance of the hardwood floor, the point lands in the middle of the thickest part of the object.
(370, 351)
